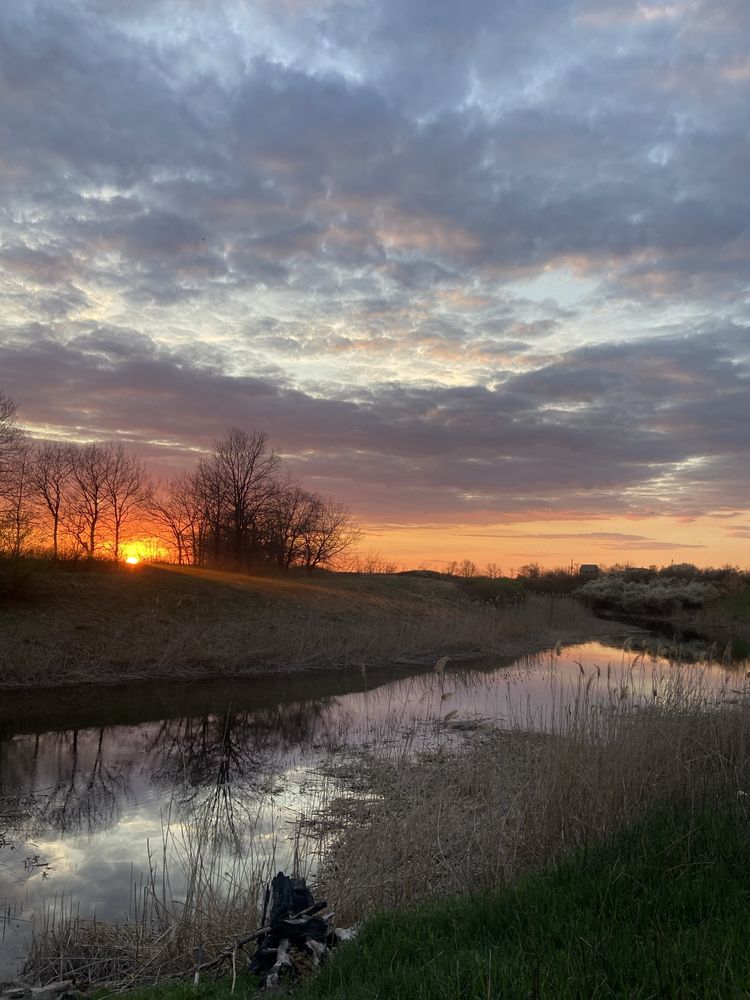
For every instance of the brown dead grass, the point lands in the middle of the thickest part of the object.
(450, 822)
(167, 622)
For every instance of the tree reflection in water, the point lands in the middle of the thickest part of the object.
(77, 782)
(62, 783)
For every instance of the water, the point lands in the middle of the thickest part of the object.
(89, 783)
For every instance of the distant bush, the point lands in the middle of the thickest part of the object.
(562, 580)
(498, 591)
(638, 574)
(734, 606)
(554, 582)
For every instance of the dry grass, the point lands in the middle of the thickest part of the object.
(163, 622)
(203, 887)
(450, 822)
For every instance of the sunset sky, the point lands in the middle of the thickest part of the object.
(480, 270)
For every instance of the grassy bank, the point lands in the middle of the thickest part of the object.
(661, 910)
(106, 625)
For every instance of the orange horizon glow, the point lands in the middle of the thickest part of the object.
(144, 549)
(711, 540)
(716, 539)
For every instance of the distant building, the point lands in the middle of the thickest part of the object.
(588, 569)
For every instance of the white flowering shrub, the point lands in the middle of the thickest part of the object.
(660, 595)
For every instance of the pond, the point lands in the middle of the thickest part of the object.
(93, 783)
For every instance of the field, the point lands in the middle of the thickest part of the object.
(107, 624)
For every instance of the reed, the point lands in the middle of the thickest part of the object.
(453, 819)
(201, 886)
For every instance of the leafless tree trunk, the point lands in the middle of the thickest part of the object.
(50, 478)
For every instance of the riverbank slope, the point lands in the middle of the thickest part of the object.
(70, 626)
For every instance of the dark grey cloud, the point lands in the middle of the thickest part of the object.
(293, 162)
(450, 257)
(652, 427)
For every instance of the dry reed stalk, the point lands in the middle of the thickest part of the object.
(453, 821)
(203, 886)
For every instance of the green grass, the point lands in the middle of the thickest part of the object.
(664, 911)
(206, 990)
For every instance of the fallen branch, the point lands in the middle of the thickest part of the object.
(240, 942)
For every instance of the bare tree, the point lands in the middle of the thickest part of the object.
(330, 533)
(212, 503)
(468, 569)
(11, 440)
(236, 486)
(50, 479)
(17, 515)
(370, 562)
(291, 520)
(87, 501)
(127, 490)
(178, 509)
(236, 508)
(245, 469)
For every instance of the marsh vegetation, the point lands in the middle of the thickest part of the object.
(447, 782)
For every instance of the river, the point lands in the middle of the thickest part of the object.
(91, 780)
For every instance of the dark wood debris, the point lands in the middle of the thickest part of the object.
(297, 938)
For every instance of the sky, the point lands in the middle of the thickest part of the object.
(480, 271)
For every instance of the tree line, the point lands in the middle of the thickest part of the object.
(238, 507)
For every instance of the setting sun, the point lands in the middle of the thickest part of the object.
(144, 549)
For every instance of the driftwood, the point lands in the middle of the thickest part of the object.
(297, 937)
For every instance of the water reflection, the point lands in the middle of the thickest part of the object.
(91, 803)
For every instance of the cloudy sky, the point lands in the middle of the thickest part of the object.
(479, 270)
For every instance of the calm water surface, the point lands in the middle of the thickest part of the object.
(84, 801)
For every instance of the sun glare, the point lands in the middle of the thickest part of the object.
(132, 560)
